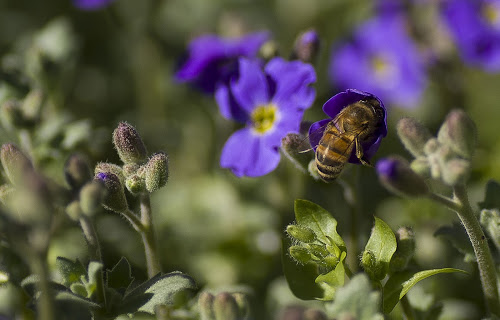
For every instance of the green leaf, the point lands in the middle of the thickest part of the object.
(400, 283)
(94, 273)
(120, 277)
(79, 289)
(356, 300)
(458, 238)
(332, 280)
(492, 196)
(70, 271)
(320, 221)
(74, 298)
(300, 278)
(379, 250)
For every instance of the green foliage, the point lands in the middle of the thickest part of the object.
(457, 236)
(400, 283)
(492, 196)
(379, 250)
(120, 277)
(70, 271)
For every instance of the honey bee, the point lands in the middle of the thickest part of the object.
(355, 125)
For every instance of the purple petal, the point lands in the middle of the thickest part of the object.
(251, 88)
(245, 155)
(228, 107)
(91, 4)
(339, 101)
(316, 132)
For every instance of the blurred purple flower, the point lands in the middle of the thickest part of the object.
(382, 59)
(333, 107)
(271, 103)
(475, 27)
(212, 60)
(91, 4)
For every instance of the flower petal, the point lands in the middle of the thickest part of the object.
(228, 106)
(251, 89)
(91, 4)
(339, 101)
(316, 131)
(246, 155)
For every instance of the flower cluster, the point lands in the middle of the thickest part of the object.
(475, 27)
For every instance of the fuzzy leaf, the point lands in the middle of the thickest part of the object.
(332, 280)
(381, 246)
(94, 272)
(74, 298)
(458, 238)
(120, 276)
(400, 283)
(320, 221)
(356, 300)
(300, 278)
(492, 196)
(70, 271)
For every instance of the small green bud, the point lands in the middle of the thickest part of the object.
(413, 135)
(135, 184)
(459, 132)
(115, 199)
(306, 46)
(405, 238)
(205, 304)
(243, 304)
(374, 269)
(319, 250)
(455, 171)
(431, 146)
(77, 171)
(32, 105)
(130, 169)
(332, 260)
(302, 234)
(156, 172)
(421, 166)
(225, 307)
(6, 191)
(105, 167)
(295, 146)
(397, 176)
(300, 254)
(14, 162)
(128, 144)
(12, 114)
(490, 220)
(74, 211)
(314, 314)
(91, 197)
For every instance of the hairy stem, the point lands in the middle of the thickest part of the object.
(45, 302)
(148, 237)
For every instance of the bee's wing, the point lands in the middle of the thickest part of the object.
(316, 132)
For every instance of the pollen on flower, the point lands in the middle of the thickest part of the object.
(264, 117)
(491, 13)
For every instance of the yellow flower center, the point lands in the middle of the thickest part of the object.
(380, 65)
(491, 13)
(264, 117)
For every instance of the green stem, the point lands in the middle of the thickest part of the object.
(408, 312)
(45, 302)
(460, 204)
(148, 236)
(134, 220)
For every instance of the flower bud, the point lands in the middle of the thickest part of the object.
(6, 191)
(421, 166)
(490, 220)
(32, 105)
(14, 162)
(130, 169)
(128, 144)
(77, 171)
(205, 304)
(455, 171)
(243, 304)
(319, 250)
(314, 314)
(73, 210)
(12, 115)
(268, 50)
(295, 146)
(302, 234)
(300, 254)
(115, 199)
(459, 132)
(332, 260)
(105, 167)
(91, 197)
(135, 184)
(413, 135)
(306, 46)
(405, 238)
(225, 307)
(156, 172)
(397, 176)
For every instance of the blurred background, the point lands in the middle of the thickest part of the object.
(100, 67)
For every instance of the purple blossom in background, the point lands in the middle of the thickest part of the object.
(212, 60)
(271, 103)
(382, 59)
(333, 107)
(475, 27)
(91, 4)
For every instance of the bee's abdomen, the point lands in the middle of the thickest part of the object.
(330, 161)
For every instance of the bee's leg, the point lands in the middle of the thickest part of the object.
(360, 155)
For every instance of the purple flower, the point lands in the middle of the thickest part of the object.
(475, 27)
(383, 59)
(271, 102)
(397, 176)
(211, 60)
(91, 4)
(334, 106)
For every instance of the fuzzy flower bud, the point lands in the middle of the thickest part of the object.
(91, 196)
(129, 144)
(105, 167)
(77, 171)
(421, 166)
(205, 304)
(397, 176)
(413, 135)
(319, 250)
(306, 46)
(302, 234)
(115, 196)
(405, 238)
(14, 162)
(74, 210)
(225, 307)
(243, 304)
(455, 171)
(156, 172)
(300, 254)
(459, 132)
(295, 146)
(135, 184)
